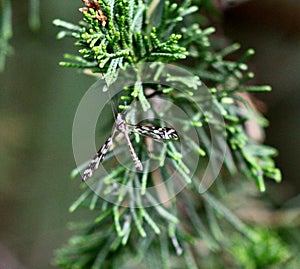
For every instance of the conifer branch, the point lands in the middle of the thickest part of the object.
(122, 34)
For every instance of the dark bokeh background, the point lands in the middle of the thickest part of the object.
(272, 27)
(38, 100)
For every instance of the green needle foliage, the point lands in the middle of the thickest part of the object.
(6, 31)
(188, 229)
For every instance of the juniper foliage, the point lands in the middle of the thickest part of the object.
(187, 230)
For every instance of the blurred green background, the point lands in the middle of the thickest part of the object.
(38, 100)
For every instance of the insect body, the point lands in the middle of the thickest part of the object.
(157, 133)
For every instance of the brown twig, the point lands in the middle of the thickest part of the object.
(96, 7)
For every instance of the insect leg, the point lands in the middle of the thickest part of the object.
(136, 160)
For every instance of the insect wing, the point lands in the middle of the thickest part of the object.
(98, 158)
(158, 133)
